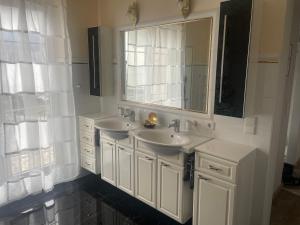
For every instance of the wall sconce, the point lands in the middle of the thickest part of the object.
(133, 13)
(185, 7)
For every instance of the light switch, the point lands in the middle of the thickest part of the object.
(250, 125)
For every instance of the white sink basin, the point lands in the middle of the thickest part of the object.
(115, 127)
(163, 141)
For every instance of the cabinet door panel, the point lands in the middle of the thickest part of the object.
(213, 201)
(232, 64)
(145, 178)
(169, 189)
(125, 168)
(108, 172)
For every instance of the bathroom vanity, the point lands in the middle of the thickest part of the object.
(157, 179)
(215, 190)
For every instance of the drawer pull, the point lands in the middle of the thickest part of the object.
(87, 150)
(110, 144)
(86, 125)
(215, 168)
(148, 158)
(86, 138)
(121, 148)
(88, 164)
(164, 164)
(203, 178)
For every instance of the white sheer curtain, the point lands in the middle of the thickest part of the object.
(38, 146)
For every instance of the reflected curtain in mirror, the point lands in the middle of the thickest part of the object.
(167, 65)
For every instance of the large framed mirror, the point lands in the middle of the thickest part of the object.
(168, 65)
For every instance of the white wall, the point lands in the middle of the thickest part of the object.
(288, 60)
(83, 14)
(293, 136)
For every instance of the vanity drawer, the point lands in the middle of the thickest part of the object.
(88, 163)
(87, 137)
(86, 124)
(87, 150)
(177, 158)
(217, 167)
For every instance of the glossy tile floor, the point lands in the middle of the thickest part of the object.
(88, 201)
(286, 205)
(286, 208)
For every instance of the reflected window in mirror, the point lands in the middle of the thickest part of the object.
(168, 65)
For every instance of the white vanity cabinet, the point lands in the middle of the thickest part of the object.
(117, 162)
(108, 161)
(213, 201)
(169, 188)
(89, 150)
(125, 169)
(145, 178)
(223, 184)
(159, 182)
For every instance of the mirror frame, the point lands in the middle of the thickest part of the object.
(214, 14)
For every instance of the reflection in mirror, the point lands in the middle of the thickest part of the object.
(168, 65)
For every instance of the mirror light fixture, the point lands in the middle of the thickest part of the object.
(133, 13)
(185, 7)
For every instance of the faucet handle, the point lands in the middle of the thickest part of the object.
(176, 121)
(176, 124)
(121, 110)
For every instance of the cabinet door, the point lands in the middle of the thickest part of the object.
(213, 201)
(169, 189)
(145, 178)
(94, 60)
(232, 64)
(125, 169)
(108, 172)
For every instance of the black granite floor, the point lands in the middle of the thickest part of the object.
(87, 201)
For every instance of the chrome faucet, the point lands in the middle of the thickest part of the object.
(176, 124)
(128, 113)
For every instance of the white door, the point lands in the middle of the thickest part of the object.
(125, 169)
(145, 178)
(108, 171)
(213, 201)
(169, 189)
